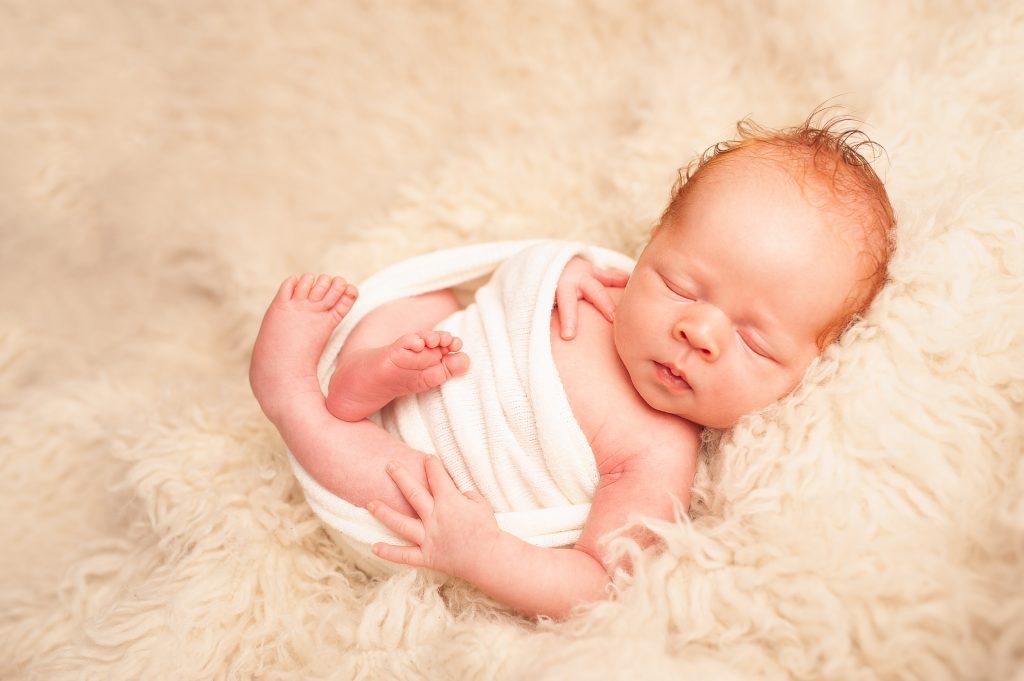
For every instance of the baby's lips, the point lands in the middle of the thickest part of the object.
(679, 373)
(674, 371)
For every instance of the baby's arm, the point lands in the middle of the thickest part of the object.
(457, 534)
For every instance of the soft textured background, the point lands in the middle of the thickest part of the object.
(164, 164)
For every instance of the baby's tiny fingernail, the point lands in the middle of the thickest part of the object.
(391, 467)
(371, 507)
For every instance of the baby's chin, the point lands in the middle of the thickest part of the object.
(702, 417)
(659, 402)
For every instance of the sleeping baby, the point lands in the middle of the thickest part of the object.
(438, 420)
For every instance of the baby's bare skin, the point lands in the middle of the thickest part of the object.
(369, 378)
(346, 458)
(645, 458)
(295, 328)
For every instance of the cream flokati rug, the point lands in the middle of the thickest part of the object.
(164, 165)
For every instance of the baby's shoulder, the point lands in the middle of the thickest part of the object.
(619, 425)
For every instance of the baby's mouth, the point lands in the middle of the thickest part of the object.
(671, 377)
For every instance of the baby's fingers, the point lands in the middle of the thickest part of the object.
(599, 297)
(405, 527)
(611, 277)
(567, 301)
(414, 492)
(407, 555)
(437, 477)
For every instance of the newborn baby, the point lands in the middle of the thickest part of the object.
(771, 246)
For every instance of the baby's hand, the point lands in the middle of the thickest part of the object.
(580, 279)
(454, 531)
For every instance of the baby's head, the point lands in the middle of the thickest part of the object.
(770, 247)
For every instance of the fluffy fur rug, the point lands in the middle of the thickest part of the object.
(165, 164)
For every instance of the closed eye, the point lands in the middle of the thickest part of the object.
(677, 291)
(755, 347)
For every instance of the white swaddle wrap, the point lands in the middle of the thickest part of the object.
(505, 428)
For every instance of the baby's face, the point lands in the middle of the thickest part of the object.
(722, 315)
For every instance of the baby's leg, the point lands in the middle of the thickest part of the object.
(346, 458)
(374, 368)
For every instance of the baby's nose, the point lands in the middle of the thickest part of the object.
(701, 331)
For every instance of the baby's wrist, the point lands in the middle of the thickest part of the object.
(490, 549)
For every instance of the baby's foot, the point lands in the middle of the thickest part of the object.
(294, 332)
(369, 379)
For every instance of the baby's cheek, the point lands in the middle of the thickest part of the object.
(750, 391)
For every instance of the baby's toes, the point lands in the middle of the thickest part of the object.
(340, 297)
(457, 363)
(448, 343)
(431, 338)
(449, 367)
(286, 290)
(338, 287)
(320, 286)
(412, 341)
(302, 289)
